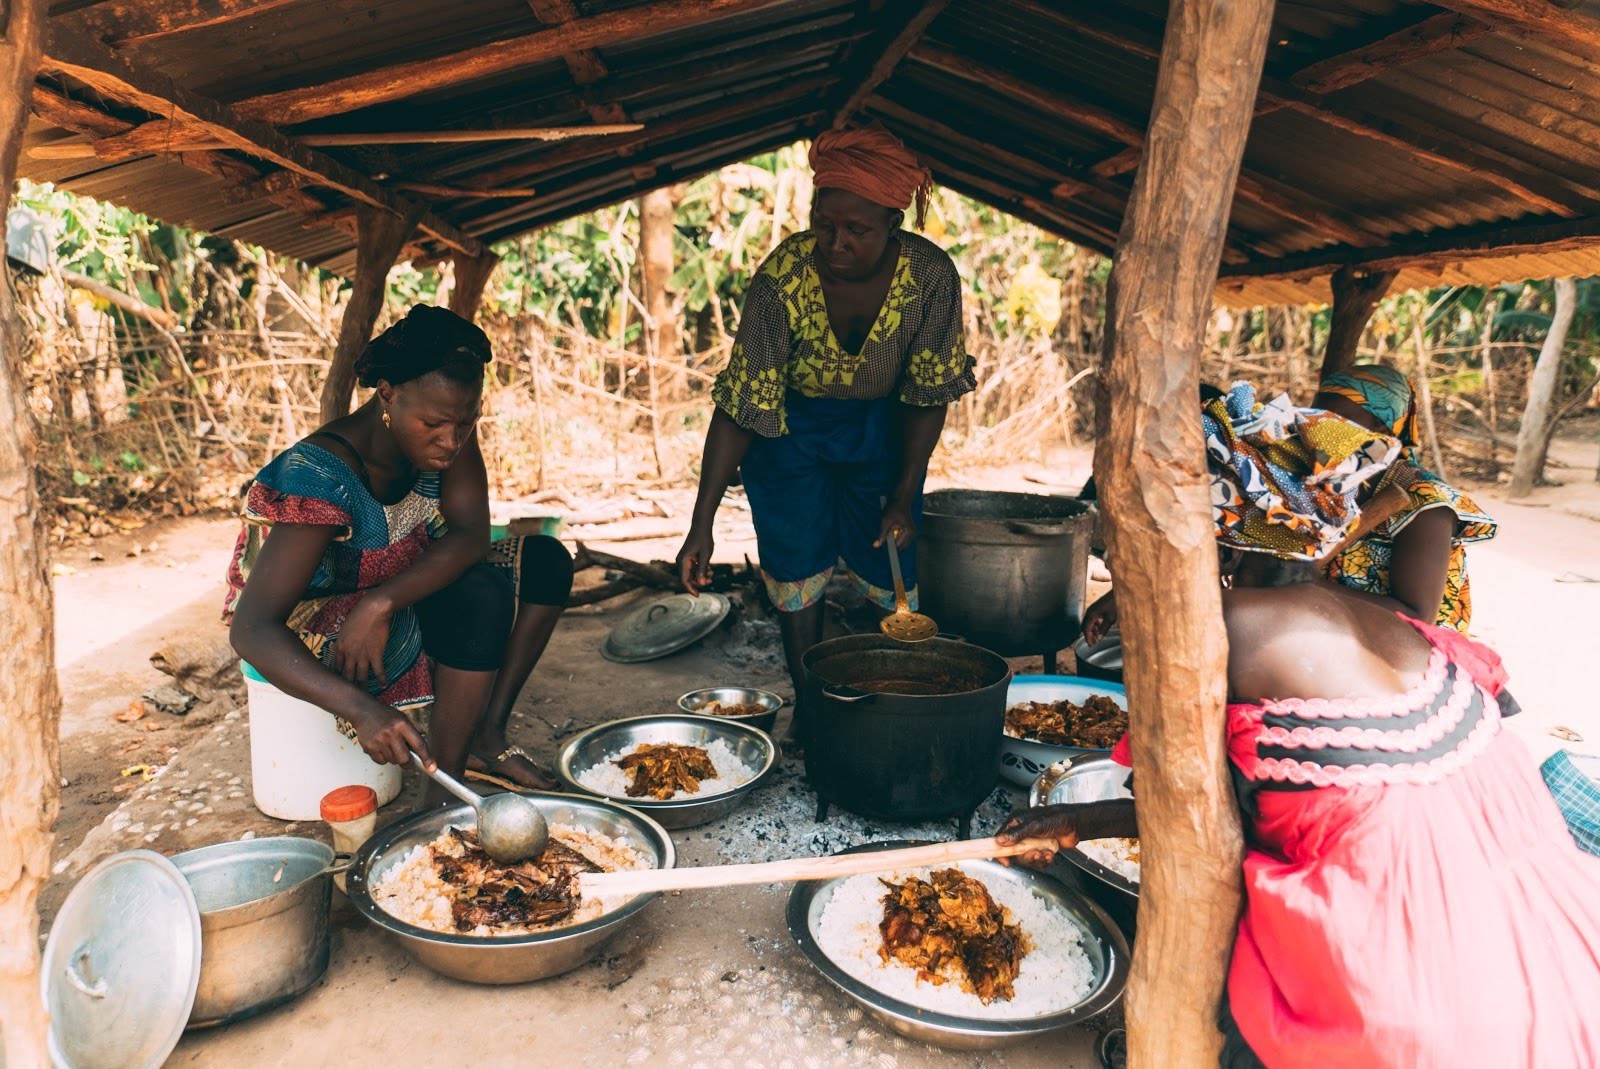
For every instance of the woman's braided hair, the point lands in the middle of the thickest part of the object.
(428, 339)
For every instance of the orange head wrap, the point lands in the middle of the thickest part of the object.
(874, 164)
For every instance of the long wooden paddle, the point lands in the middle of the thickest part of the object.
(648, 881)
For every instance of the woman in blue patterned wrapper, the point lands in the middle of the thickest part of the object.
(849, 348)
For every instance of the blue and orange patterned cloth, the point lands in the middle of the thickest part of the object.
(1366, 564)
(1285, 480)
(306, 484)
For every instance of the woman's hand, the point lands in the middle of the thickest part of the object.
(897, 524)
(388, 737)
(1045, 822)
(1101, 617)
(694, 560)
(358, 652)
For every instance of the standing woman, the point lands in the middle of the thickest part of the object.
(849, 348)
(1417, 558)
(364, 582)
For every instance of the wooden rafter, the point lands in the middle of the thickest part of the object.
(1438, 33)
(588, 196)
(1547, 234)
(1569, 22)
(918, 16)
(126, 24)
(730, 109)
(1437, 148)
(92, 63)
(339, 96)
(75, 116)
(585, 65)
(162, 137)
(1254, 188)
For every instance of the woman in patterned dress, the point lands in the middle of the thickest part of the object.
(364, 581)
(1417, 558)
(849, 348)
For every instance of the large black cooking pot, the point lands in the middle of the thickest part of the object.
(904, 732)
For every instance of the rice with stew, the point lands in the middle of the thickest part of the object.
(605, 777)
(447, 886)
(1055, 973)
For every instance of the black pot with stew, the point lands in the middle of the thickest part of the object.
(904, 732)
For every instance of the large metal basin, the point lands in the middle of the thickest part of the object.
(263, 923)
(1107, 950)
(509, 959)
(1008, 572)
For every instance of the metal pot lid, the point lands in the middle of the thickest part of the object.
(122, 965)
(664, 627)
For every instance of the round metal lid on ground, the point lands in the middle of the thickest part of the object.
(122, 965)
(663, 627)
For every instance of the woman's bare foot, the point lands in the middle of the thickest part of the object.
(509, 767)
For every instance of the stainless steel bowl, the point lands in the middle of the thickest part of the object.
(512, 959)
(1021, 760)
(1107, 950)
(770, 703)
(604, 741)
(1086, 778)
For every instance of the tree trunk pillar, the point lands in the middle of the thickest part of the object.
(472, 275)
(1150, 464)
(380, 237)
(1533, 438)
(30, 738)
(656, 209)
(1355, 294)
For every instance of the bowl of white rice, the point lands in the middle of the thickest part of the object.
(1076, 968)
(392, 883)
(743, 757)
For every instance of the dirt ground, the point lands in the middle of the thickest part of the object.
(702, 979)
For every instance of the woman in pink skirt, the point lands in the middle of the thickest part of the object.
(1412, 896)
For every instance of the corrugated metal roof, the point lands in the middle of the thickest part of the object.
(1030, 104)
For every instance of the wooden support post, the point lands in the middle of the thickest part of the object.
(1150, 464)
(472, 275)
(1355, 294)
(380, 237)
(30, 733)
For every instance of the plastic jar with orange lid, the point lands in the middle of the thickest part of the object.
(352, 816)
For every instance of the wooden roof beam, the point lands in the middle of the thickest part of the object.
(730, 109)
(1521, 180)
(917, 16)
(585, 64)
(124, 24)
(1438, 33)
(77, 56)
(589, 195)
(1575, 22)
(1255, 188)
(1546, 234)
(396, 81)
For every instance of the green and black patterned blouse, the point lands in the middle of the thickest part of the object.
(916, 348)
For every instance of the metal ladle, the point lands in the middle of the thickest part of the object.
(904, 625)
(510, 827)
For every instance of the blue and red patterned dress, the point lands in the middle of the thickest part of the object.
(306, 484)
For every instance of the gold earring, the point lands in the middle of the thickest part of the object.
(386, 421)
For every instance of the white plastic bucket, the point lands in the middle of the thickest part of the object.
(298, 754)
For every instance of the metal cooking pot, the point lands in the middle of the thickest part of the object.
(1008, 571)
(263, 923)
(876, 747)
